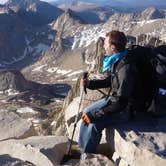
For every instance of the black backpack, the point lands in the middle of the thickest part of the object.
(141, 57)
(158, 61)
(143, 94)
(151, 67)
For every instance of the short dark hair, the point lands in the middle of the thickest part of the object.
(118, 39)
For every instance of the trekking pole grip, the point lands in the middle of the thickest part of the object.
(85, 76)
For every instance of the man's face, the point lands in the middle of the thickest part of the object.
(109, 49)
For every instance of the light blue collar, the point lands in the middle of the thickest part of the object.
(110, 60)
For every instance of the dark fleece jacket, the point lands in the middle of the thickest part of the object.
(123, 83)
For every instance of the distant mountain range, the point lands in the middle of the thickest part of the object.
(119, 3)
(30, 29)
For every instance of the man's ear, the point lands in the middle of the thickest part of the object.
(113, 48)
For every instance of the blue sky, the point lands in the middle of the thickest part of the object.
(3, 1)
(161, 2)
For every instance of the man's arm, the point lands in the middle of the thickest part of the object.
(97, 84)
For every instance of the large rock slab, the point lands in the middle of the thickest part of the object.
(70, 115)
(38, 150)
(13, 126)
(140, 142)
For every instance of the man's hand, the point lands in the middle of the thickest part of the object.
(84, 83)
(86, 119)
(91, 117)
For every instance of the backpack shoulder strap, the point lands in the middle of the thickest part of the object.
(125, 60)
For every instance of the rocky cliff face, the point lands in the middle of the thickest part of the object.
(13, 80)
(152, 13)
(25, 31)
(12, 31)
(20, 42)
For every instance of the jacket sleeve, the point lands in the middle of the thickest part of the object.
(97, 84)
(120, 100)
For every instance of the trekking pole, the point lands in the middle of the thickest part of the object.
(83, 90)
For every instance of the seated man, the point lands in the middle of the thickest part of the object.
(115, 108)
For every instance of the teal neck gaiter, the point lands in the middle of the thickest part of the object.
(110, 60)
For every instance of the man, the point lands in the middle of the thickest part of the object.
(114, 109)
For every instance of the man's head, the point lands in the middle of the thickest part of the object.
(115, 42)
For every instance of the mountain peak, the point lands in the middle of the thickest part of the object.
(35, 11)
(70, 14)
(152, 13)
(21, 2)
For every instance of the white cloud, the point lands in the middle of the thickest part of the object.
(49, 0)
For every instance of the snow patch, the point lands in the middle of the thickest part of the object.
(38, 68)
(24, 110)
(87, 37)
(74, 79)
(141, 23)
(9, 92)
(36, 121)
(74, 73)
(53, 123)
(58, 101)
(59, 71)
(52, 70)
